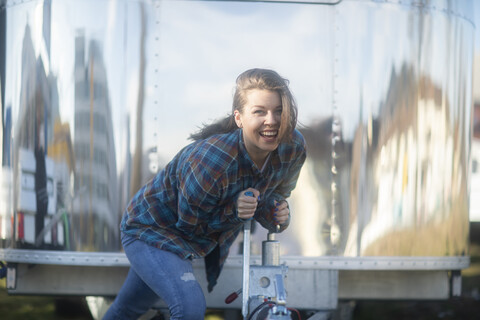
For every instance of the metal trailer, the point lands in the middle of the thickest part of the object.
(112, 89)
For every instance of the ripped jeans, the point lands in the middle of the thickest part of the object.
(157, 274)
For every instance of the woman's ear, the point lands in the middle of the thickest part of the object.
(238, 118)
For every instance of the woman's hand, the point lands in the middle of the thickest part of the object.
(247, 204)
(281, 211)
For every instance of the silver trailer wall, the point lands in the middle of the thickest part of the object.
(111, 90)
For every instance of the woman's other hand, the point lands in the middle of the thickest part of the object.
(281, 211)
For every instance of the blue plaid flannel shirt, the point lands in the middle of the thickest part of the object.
(188, 208)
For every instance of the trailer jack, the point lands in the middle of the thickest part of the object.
(263, 286)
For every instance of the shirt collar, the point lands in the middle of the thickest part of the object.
(246, 161)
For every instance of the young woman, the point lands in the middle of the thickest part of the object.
(197, 205)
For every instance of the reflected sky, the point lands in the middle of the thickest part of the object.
(180, 34)
(193, 32)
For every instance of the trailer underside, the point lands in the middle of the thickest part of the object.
(315, 283)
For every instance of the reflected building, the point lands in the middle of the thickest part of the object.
(395, 188)
(414, 176)
(40, 161)
(34, 171)
(95, 206)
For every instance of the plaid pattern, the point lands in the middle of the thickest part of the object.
(189, 207)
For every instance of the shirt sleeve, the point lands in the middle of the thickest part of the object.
(199, 203)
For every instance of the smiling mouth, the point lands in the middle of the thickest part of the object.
(269, 134)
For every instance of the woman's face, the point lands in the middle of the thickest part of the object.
(260, 121)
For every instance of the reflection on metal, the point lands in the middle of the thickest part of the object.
(328, 2)
(400, 134)
(61, 155)
(98, 104)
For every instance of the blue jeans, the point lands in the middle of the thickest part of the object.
(157, 274)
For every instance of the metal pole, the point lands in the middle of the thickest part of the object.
(246, 267)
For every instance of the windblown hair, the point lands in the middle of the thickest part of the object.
(263, 79)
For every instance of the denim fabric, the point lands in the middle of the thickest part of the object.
(156, 274)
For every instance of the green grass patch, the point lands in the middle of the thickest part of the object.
(14, 307)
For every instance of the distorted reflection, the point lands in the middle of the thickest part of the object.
(37, 223)
(65, 175)
(312, 199)
(95, 204)
(415, 177)
(94, 107)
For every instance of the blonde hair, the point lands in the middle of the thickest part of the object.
(263, 79)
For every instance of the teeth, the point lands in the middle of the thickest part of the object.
(269, 133)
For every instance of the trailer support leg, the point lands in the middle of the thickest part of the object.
(456, 283)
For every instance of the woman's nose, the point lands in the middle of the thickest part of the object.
(270, 118)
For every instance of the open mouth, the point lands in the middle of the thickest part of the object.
(269, 134)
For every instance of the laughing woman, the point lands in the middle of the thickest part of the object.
(196, 206)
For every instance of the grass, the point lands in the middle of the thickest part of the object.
(37, 307)
(13, 308)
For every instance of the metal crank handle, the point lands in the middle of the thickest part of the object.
(246, 267)
(246, 263)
